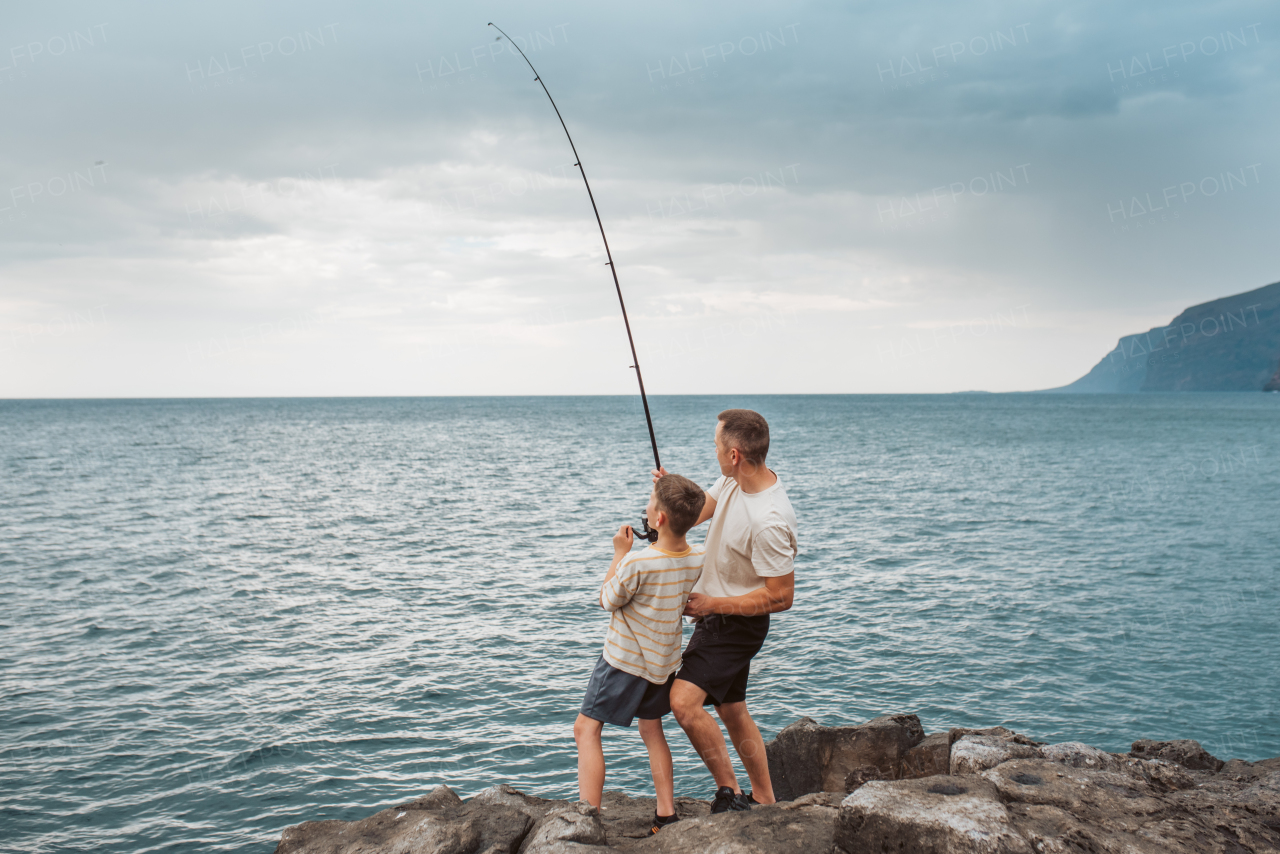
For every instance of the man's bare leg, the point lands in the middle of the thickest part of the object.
(750, 747)
(703, 731)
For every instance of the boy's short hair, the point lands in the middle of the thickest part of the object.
(681, 499)
(748, 432)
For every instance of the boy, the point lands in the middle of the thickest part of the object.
(646, 592)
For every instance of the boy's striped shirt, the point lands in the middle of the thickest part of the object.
(647, 596)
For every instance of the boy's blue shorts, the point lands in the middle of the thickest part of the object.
(616, 697)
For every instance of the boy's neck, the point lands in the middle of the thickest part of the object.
(668, 542)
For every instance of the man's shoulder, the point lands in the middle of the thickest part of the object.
(723, 484)
(770, 507)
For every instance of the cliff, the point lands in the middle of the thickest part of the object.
(879, 787)
(1228, 344)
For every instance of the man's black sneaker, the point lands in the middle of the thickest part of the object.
(744, 801)
(727, 800)
(661, 821)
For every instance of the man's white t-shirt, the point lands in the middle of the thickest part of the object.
(752, 536)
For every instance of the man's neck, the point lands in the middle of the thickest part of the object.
(759, 481)
(668, 542)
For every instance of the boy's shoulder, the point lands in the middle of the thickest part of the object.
(654, 555)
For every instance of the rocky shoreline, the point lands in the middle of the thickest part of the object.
(883, 786)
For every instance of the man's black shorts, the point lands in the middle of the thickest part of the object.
(718, 657)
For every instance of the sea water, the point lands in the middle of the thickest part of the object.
(222, 617)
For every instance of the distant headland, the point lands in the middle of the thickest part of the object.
(1227, 344)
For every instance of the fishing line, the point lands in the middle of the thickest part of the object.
(639, 379)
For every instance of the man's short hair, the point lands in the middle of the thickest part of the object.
(748, 432)
(681, 499)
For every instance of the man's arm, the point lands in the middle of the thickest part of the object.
(708, 510)
(772, 558)
(708, 507)
(777, 595)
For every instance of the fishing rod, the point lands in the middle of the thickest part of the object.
(639, 378)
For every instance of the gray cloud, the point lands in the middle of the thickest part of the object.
(361, 201)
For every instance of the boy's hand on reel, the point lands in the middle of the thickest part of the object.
(623, 540)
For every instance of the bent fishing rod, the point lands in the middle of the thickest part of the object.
(578, 162)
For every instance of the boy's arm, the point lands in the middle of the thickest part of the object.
(613, 593)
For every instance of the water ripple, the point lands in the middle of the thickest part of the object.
(223, 617)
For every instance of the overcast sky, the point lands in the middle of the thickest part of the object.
(327, 198)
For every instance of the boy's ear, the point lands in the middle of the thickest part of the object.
(662, 519)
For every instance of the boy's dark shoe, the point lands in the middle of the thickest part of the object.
(745, 801)
(727, 800)
(661, 821)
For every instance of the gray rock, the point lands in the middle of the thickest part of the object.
(1068, 798)
(626, 818)
(1185, 752)
(1039, 805)
(504, 795)
(804, 826)
(860, 776)
(1061, 808)
(444, 826)
(1164, 776)
(1240, 771)
(973, 754)
(807, 757)
(932, 815)
(1079, 755)
(1081, 792)
(929, 757)
(957, 733)
(441, 797)
(574, 830)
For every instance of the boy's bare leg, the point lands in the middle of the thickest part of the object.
(586, 732)
(664, 781)
(703, 731)
(750, 747)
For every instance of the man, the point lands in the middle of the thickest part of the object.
(748, 574)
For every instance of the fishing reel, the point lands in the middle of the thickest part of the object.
(650, 534)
